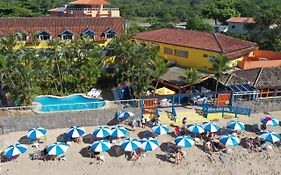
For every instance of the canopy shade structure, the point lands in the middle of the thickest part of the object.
(243, 88)
(164, 91)
(90, 2)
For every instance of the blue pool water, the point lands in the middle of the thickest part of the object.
(74, 102)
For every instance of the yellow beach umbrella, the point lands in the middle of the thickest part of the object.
(164, 91)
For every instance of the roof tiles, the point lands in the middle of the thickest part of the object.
(200, 40)
(56, 25)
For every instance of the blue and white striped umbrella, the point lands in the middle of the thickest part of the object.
(57, 148)
(102, 132)
(36, 133)
(195, 128)
(119, 131)
(270, 121)
(270, 136)
(101, 146)
(184, 141)
(211, 127)
(76, 131)
(160, 129)
(14, 150)
(131, 144)
(229, 140)
(126, 115)
(149, 144)
(235, 125)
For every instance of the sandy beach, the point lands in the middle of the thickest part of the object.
(240, 161)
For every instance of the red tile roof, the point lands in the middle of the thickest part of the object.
(56, 25)
(241, 20)
(193, 39)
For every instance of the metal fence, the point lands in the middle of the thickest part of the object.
(226, 109)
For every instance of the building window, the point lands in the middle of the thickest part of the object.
(109, 33)
(89, 33)
(20, 36)
(168, 51)
(181, 53)
(205, 55)
(233, 26)
(43, 36)
(211, 59)
(66, 35)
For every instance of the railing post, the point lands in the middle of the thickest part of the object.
(222, 112)
(235, 109)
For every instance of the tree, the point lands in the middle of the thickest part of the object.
(138, 64)
(267, 32)
(219, 66)
(221, 10)
(195, 22)
(192, 77)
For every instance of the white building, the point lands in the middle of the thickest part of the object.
(237, 24)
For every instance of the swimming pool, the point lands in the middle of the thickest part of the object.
(76, 102)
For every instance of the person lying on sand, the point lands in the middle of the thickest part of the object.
(217, 146)
(179, 156)
(134, 156)
(208, 146)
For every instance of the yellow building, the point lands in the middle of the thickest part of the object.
(196, 49)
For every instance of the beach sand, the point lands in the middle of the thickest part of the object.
(239, 162)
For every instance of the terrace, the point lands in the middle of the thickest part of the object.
(260, 59)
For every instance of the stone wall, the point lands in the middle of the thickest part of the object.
(61, 120)
(261, 105)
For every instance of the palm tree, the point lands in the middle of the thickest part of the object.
(219, 66)
(192, 77)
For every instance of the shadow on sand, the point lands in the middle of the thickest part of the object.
(62, 138)
(252, 128)
(24, 140)
(146, 134)
(88, 139)
(85, 152)
(115, 151)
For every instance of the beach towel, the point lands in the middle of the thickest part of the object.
(223, 159)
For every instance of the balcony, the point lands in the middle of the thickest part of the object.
(95, 12)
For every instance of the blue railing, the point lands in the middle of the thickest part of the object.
(226, 109)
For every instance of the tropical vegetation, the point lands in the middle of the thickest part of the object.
(219, 67)
(73, 67)
(192, 77)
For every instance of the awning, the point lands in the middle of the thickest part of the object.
(243, 88)
(164, 91)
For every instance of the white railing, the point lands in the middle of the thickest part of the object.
(92, 9)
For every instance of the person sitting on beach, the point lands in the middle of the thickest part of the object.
(77, 140)
(134, 156)
(208, 146)
(96, 155)
(134, 124)
(177, 131)
(179, 155)
(184, 124)
(257, 144)
(250, 143)
(263, 127)
(143, 122)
